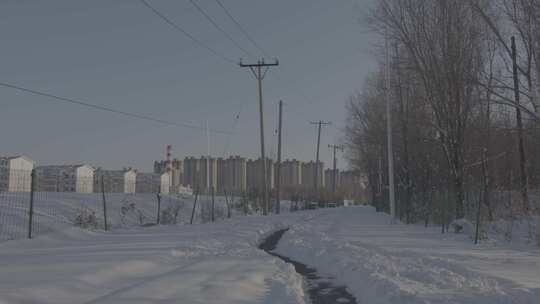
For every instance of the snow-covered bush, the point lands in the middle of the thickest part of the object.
(129, 210)
(169, 216)
(86, 218)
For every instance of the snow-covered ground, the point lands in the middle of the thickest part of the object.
(220, 263)
(383, 263)
(205, 263)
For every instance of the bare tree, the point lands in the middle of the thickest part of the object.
(443, 41)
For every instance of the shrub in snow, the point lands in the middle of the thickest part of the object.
(130, 210)
(169, 216)
(86, 218)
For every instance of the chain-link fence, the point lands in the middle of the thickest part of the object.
(36, 202)
(45, 200)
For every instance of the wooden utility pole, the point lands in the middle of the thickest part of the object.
(278, 173)
(521, 148)
(391, 193)
(334, 173)
(259, 73)
(319, 123)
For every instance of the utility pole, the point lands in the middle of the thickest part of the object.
(259, 73)
(389, 132)
(319, 123)
(278, 173)
(521, 148)
(334, 175)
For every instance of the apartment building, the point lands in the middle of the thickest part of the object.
(15, 173)
(115, 181)
(65, 178)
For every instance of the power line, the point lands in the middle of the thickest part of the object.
(219, 28)
(186, 33)
(241, 28)
(107, 109)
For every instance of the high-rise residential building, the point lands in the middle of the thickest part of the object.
(291, 173)
(232, 175)
(191, 176)
(208, 173)
(254, 174)
(152, 183)
(308, 175)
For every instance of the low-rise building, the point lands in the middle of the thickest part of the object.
(115, 181)
(147, 183)
(65, 178)
(16, 173)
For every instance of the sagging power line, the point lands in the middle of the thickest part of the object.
(219, 28)
(242, 29)
(186, 33)
(107, 109)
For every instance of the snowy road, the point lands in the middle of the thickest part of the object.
(220, 263)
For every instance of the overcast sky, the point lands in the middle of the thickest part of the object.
(117, 53)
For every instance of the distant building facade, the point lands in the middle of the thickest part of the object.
(153, 183)
(208, 174)
(177, 173)
(254, 174)
(232, 175)
(291, 173)
(16, 173)
(308, 175)
(191, 173)
(329, 175)
(65, 178)
(115, 181)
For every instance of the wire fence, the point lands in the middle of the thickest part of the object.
(45, 200)
(34, 203)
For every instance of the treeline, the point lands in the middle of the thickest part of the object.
(465, 115)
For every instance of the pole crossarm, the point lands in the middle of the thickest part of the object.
(260, 63)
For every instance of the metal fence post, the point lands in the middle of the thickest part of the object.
(158, 207)
(31, 211)
(194, 206)
(104, 203)
(213, 203)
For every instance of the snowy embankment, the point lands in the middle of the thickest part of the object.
(210, 263)
(220, 263)
(57, 211)
(383, 263)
